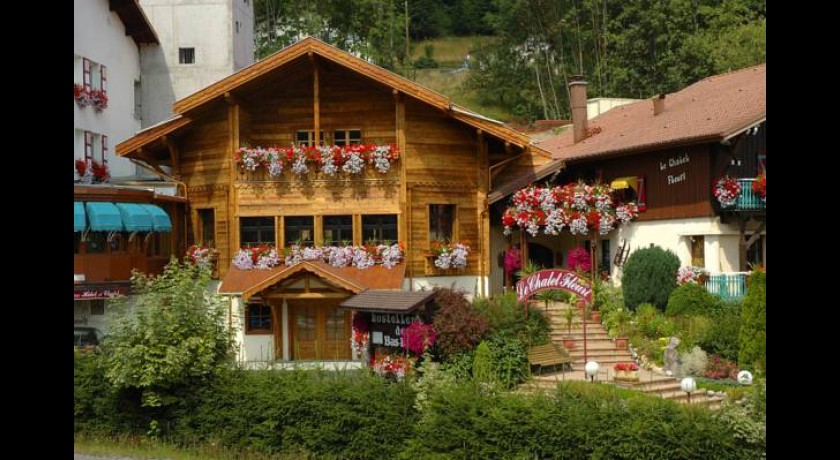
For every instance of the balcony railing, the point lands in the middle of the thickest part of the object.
(732, 285)
(747, 200)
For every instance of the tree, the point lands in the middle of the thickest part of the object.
(649, 276)
(174, 334)
(753, 336)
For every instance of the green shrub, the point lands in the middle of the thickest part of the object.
(460, 365)
(753, 334)
(459, 326)
(174, 335)
(691, 299)
(506, 316)
(649, 276)
(483, 363)
(721, 335)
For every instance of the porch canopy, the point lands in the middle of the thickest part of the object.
(280, 280)
(388, 301)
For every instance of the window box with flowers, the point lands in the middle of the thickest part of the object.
(628, 372)
(445, 257)
(84, 96)
(759, 186)
(90, 171)
(327, 160)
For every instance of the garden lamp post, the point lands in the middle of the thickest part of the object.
(688, 385)
(591, 370)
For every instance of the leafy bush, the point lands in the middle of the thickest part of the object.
(506, 316)
(691, 299)
(721, 336)
(692, 363)
(483, 363)
(459, 326)
(501, 360)
(460, 365)
(753, 333)
(173, 336)
(720, 368)
(649, 276)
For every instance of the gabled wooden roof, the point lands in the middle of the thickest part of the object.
(313, 46)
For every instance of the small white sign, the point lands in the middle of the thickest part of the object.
(377, 338)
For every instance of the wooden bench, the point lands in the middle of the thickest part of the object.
(548, 355)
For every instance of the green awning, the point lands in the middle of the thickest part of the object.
(160, 219)
(79, 218)
(104, 217)
(135, 218)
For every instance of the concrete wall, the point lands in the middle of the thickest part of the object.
(599, 105)
(99, 35)
(471, 285)
(208, 26)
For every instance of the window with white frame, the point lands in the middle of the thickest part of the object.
(306, 138)
(94, 147)
(93, 74)
(347, 136)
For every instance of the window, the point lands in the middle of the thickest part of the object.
(93, 74)
(237, 26)
(95, 146)
(96, 242)
(138, 100)
(256, 230)
(258, 319)
(307, 138)
(97, 307)
(207, 226)
(298, 230)
(338, 229)
(186, 55)
(158, 245)
(347, 136)
(755, 253)
(698, 254)
(441, 222)
(605, 255)
(379, 228)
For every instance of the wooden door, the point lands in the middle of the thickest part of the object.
(319, 330)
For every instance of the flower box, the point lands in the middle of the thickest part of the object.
(627, 372)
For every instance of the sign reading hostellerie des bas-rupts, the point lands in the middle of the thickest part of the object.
(553, 279)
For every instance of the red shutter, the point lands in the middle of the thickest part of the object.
(642, 202)
(104, 149)
(86, 72)
(88, 145)
(102, 77)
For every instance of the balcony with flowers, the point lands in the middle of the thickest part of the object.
(741, 194)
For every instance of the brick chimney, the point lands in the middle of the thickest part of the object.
(658, 104)
(577, 88)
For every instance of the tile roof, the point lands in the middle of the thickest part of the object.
(707, 111)
(388, 301)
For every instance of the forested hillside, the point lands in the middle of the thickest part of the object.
(525, 50)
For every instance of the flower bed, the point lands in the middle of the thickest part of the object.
(692, 275)
(727, 191)
(328, 160)
(393, 366)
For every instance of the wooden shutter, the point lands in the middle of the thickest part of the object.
(88, 145)
(102, 77)
(104, 149)
(86, 72)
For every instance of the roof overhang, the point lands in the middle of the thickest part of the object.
(136, 23)
(388, 301)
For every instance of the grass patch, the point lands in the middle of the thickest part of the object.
(449, 51)
(733, 389)
(145, 448)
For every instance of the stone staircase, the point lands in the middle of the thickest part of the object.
(602, 349)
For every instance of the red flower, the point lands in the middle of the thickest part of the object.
(81, 167)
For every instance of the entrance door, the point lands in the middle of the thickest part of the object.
(319, 330)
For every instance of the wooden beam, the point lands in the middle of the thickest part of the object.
(174, 156)
(231, 99)
(316, 102)
(310, 295)
(399, 102)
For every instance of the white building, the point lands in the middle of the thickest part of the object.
(201, 42)
(108, 37)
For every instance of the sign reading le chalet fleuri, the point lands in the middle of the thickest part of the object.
(553, 279)
(97, 292)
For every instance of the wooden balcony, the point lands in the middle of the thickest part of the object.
(116, 266)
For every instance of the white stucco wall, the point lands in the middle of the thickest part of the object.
(471, 285)
(208, 26)
(99, 35)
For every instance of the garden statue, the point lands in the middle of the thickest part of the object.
(672, 358)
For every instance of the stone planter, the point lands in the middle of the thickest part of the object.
(627, 376)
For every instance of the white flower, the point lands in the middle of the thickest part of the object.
(354, 163)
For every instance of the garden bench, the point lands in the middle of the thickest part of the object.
(548, 355)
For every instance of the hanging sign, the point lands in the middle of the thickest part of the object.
(544, 280)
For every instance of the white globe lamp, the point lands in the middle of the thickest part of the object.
(591, 370)
(688, 385)
(745, 378)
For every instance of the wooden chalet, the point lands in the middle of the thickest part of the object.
(309, 94)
